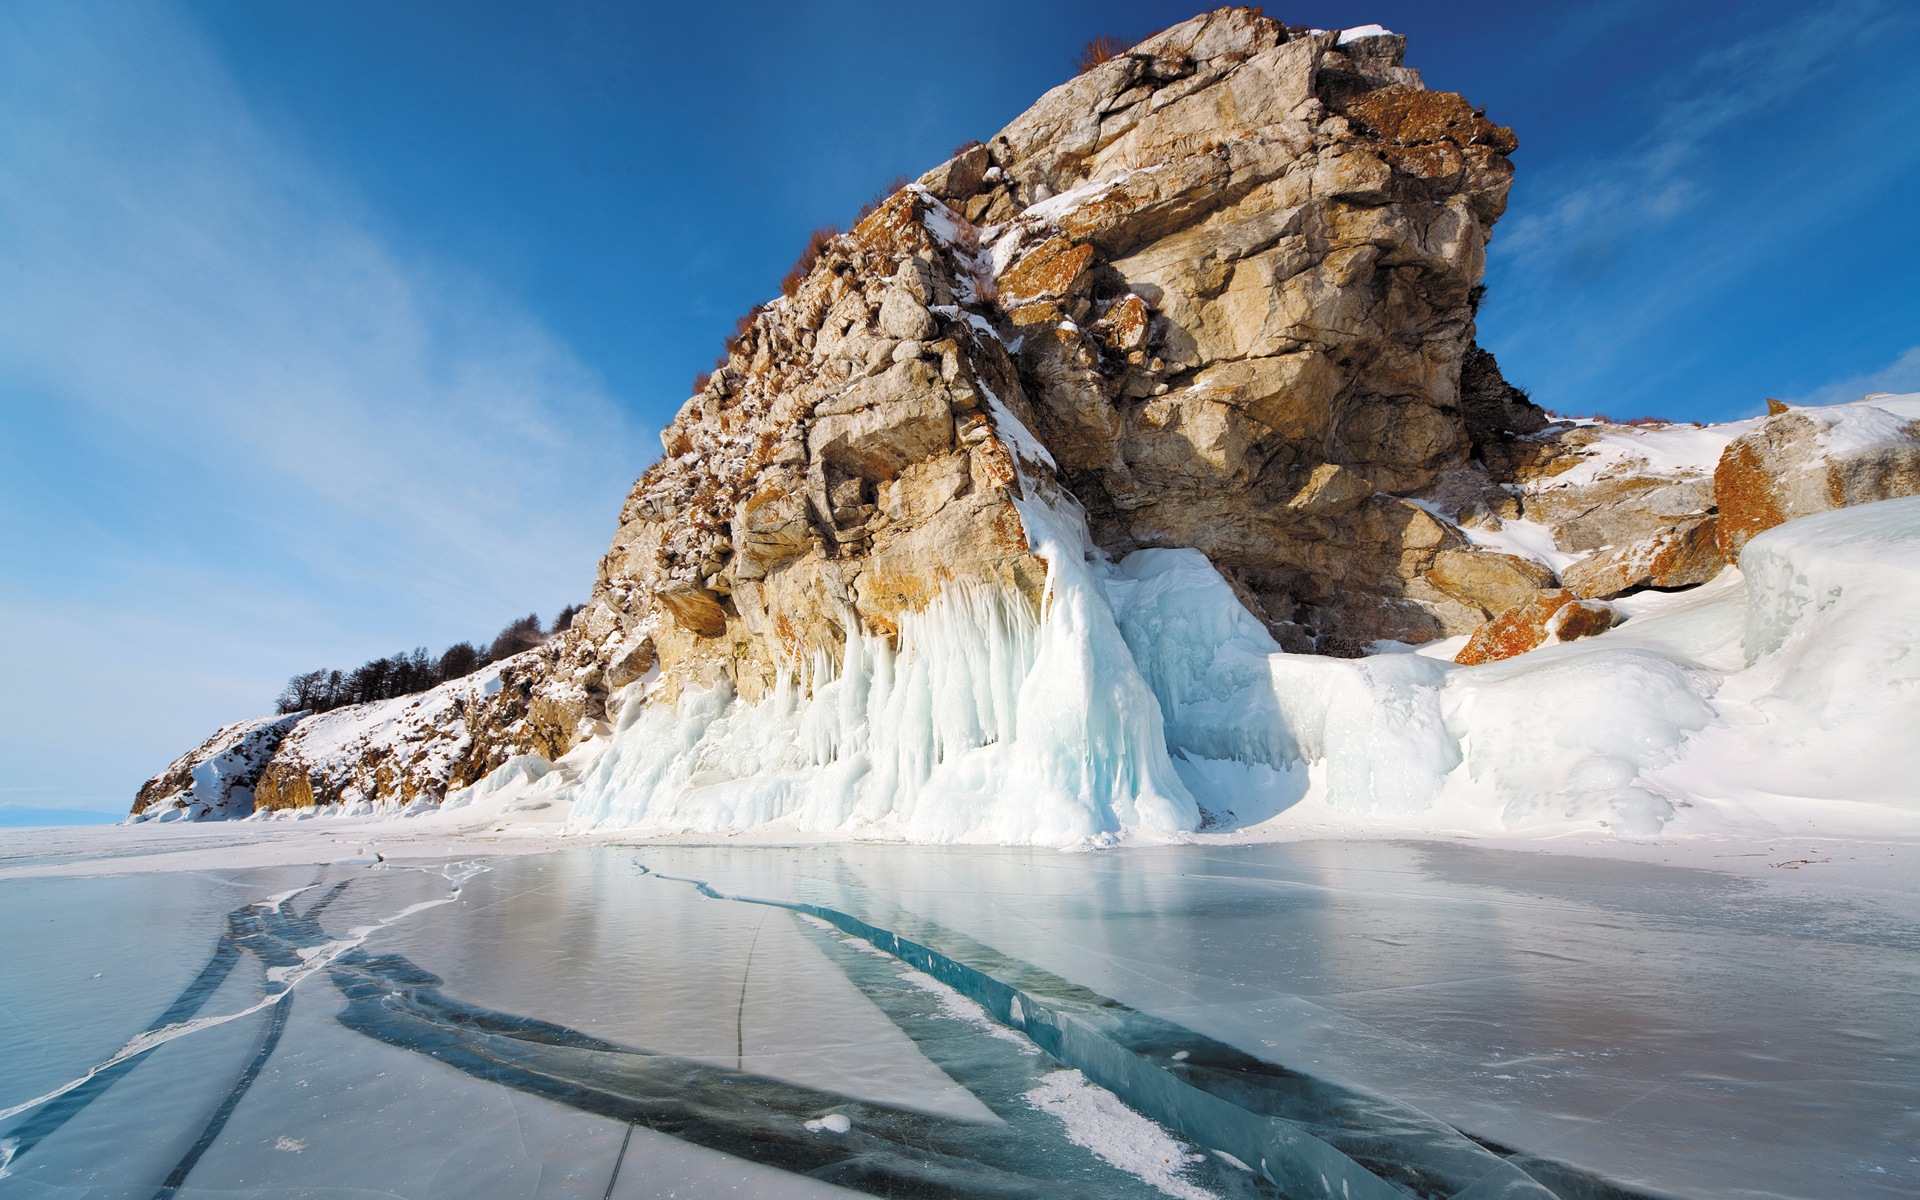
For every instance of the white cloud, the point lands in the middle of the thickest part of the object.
(240, 426)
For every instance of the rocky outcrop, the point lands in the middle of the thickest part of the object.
(1661, 505)
(1632, 497)
(217, 778)
(1218, 293)
(1222, 284)
(1258, 294)
(1801, 461)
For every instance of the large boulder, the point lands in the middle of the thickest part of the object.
(1623, 506)
(1802, 461)
(1488, 580)
(1683, 556)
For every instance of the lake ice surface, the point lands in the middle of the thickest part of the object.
(1342, 1017)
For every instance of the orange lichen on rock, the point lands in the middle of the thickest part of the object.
(1406, 116)
(1582, 618)
(993, 465)
(1743, 490)
(894, 228)
(1549, 615)
(1053, 268)
(1127, 324)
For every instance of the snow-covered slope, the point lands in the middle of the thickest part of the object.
(216, 778)
(411, 751)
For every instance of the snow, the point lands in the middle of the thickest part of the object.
(989, 723)
(1824, 706)
(1096, 1118)
(1523, 539)
(1041, 220)
(427, 730)
(1140, 702)
(1620, 451)
(1014, 432)
(831, 1123)
(1144, 702)
(1362, 31)
(1050, 210)
(1624, 450)
(1905, 405)
(1848, 429)
(953, 1005)
(214, 789)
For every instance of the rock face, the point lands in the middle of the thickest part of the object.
(1237, 278)
(1224, 281)
(1215, 293)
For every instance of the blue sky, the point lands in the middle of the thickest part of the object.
(337, 328)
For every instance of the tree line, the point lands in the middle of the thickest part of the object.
(408, 673)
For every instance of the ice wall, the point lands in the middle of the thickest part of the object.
(990, 723)
(1144, 701)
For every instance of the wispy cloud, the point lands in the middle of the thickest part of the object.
(1653, 180)
(240, 424)
(1902, 375)
(188, 282)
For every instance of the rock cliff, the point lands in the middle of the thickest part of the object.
(1222, 283)
(1215, 293)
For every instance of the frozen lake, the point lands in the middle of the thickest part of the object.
(1312, 1018)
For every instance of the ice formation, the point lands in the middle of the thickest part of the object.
(1145, 703)
(988, 724)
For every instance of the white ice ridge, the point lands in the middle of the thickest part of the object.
(1143, 694)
